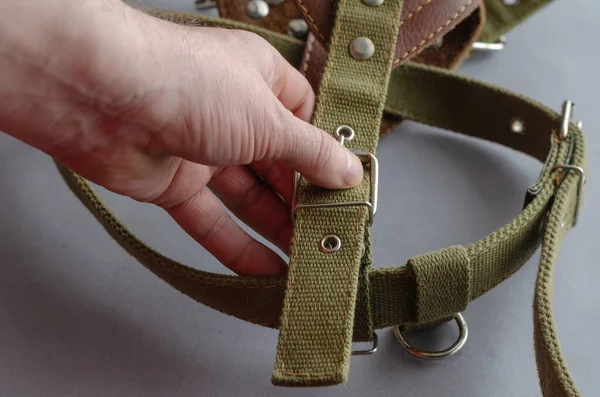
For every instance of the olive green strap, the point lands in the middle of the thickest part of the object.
(555, 379)
(472, 107)
(317, 322)
(442, 283)
(502, 16)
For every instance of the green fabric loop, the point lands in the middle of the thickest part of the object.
(443, 283)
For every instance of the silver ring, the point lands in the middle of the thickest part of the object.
(433, 355)
(344, 133)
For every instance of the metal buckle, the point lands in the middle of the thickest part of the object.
(372, 350)
(580, 185)
(432, 355)
(365, 157)
(563, 133)
(496, 46)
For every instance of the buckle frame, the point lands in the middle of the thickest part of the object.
(365, 156)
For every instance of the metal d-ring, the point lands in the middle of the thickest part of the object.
(436, 355)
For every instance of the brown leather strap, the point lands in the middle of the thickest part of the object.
(455, 49)
(422, 22)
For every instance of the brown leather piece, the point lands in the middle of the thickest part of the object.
(277, 20)
(423, 21)
(457, 43)
(454, 50)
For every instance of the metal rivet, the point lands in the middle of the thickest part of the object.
(275, 2)
(517, 126)
(362, 48)
(510, 2)
(373, 3)
(330, 244)
(344, 133)
(297, 28)
(257, 9)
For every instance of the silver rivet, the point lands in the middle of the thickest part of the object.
(330, 244)
(517, 126)
(275, 2)
(510, 2)
(297, 28)
(257, 9)
(373, 3)
(344, 133)
(362, 48)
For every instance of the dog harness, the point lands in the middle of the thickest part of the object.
(374, 63)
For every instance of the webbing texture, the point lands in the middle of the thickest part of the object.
(483, 111)
(502, 16)
(442, 283)
(317, 323)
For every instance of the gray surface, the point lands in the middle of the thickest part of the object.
(79, 317)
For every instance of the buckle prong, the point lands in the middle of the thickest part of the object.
(344, 133)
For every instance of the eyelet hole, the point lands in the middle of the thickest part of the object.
(344, 131)
(330, 244)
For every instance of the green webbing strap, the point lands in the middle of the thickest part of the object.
(474, 108)
(317, 321)
(555, 379)
(502, 16)
(442, 283)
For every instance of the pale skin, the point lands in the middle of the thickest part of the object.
(192, 120)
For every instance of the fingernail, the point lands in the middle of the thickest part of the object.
(353, 173)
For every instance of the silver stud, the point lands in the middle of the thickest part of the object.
(275, 2)
(373, 3)
(257, 9)
(330, 244)
(517, 126)
(297, 28)
(362, 48)
(510, 2)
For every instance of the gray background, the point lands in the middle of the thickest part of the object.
(79, 317)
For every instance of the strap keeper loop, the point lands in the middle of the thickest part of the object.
(443, 283)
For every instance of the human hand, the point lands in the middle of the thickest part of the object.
(185, 118)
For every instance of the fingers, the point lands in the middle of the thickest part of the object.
(204, 218)
(294, 91)
(309, 150)
(278, 175)
(316, 155)
(254, 203)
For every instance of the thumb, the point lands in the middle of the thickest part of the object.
(316, 155)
